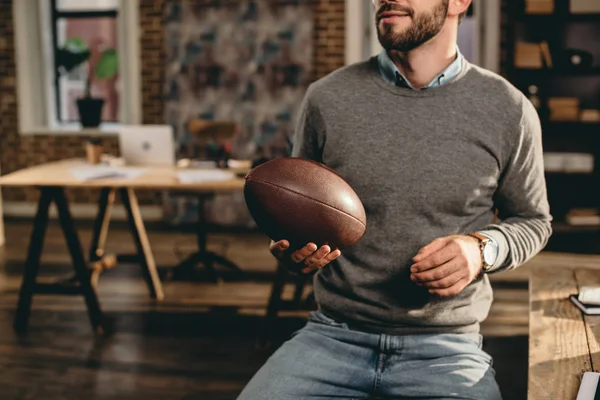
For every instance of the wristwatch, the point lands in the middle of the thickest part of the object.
(488, 248)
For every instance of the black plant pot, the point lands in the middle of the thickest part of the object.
(90, 111)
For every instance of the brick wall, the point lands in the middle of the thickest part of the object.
(18, 152)
(329, 41)
(153, 60)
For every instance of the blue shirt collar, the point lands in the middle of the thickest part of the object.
(392, 74)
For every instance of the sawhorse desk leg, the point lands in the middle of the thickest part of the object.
(142, 244)
(144, 254)
(82, 284)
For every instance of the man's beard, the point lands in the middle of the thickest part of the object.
(424, 27)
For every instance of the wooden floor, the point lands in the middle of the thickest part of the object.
(200, 343)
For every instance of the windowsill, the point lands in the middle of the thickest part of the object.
(106, 129)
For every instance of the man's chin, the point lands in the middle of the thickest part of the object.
(395, 28)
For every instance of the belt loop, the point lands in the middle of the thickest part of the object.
(383, 342)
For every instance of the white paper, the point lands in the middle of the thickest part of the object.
(588, 386)
(204, 175)
(92, 172)
(589, 295)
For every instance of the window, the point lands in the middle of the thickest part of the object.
(89, 27)
(62, 43)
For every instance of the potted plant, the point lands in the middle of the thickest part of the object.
(104, 65)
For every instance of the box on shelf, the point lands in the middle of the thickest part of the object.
(569, 162)
(583, 216)
(528, 55)
(539, 6)
(590, 115)
(564, 108)
(565, 114)
(563, 102)
(585, 6)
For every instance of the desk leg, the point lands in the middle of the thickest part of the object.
(32, 265)
(107, 199)
(142, 243)
(208, 258)
(79, 264)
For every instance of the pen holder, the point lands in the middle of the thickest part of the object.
(93, 149)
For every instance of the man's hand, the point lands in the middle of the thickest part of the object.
(447, 265)
(310, 258)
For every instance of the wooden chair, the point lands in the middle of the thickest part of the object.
(277, 303)
(203, 133)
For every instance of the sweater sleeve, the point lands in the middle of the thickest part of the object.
(521, 198)
(310, 130)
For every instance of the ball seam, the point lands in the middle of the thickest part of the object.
(307, 197)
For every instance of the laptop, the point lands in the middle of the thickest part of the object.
(147, 145)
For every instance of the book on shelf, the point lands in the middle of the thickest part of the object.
(528, 55)
(546, 54)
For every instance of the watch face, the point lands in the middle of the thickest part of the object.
(490, 253)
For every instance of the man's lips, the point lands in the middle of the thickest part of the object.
(391, 15)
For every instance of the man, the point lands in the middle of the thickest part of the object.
(433, 145)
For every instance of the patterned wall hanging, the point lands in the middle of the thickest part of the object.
(246, 61)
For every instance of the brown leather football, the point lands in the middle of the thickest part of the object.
(304, 201)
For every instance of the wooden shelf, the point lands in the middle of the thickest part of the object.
(562, 31)
(562, 174)
(563, 227)
(557, 18)
(555, 72)
(571, 127)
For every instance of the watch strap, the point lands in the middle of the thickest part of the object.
(483, 240)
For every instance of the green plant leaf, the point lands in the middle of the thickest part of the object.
(73, 53)
(69, 60)
(108, 65)
(75, 45)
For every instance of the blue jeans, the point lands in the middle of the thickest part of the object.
(327, 360)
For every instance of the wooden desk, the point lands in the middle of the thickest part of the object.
(563, 343)
(52, 180)
(156, 178)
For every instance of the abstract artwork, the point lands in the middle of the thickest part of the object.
(244, 61)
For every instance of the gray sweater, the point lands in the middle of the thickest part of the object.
(426, 164)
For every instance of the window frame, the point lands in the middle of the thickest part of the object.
(36, 99)
(55, 16)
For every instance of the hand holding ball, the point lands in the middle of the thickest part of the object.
(302, 202)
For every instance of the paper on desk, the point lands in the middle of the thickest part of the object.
(204, 175)
(589, 295)
(92, 172)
